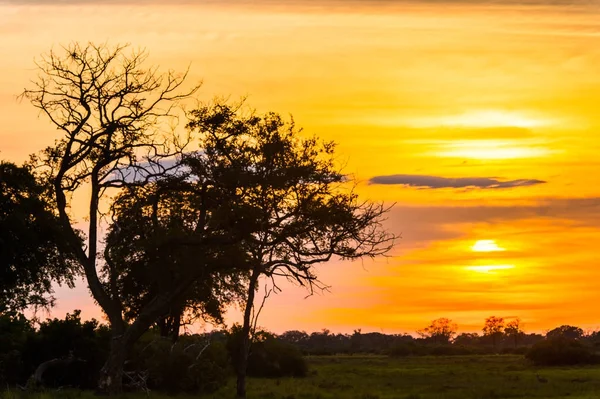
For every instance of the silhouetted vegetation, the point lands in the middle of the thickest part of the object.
(193, 222)
(191, 229)
(562, 351)
(34, 248)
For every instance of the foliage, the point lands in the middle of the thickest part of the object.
(34, 250)
(115, 118)
(514, 330)
(168, 232)
(440, 331)
(194, 364)
(297, 204)
(269, 356)
(493, 329)
(561, 350)
(566, 331)
(23, 349)
(15, 333)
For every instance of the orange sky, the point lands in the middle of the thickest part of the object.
(418, 95)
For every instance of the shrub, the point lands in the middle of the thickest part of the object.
(401, 350)
(269, 356)
(561, 351)
(273, 358)
(192, 365)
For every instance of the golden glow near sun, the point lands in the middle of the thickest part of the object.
(484, 118)
(486, 246)
(491, 149)
(489, 268)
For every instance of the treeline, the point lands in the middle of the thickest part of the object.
(71, 352)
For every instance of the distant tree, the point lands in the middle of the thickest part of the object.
(115, 119)
(566, 331)
(301, 207)
(467, 339)
(494, 328)
(294, 337)
(34, 246)
(514, 330)
(440, 331)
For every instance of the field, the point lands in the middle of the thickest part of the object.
(374, 377)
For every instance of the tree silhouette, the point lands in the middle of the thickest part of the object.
(494, 328)
(514, 330)
(300, 208)
(440, 331)
(112, 114)
(170, 233)
(34, 250)
(566, 331)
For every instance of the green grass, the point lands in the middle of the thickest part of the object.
(374, 377)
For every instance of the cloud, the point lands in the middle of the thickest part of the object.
(434, 182)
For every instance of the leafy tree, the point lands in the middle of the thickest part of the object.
(112, 116)
(514, 330)
(493, 328)
(440, 331)
(301, 209)
(566, 331)
(34, 250)
(167, 233)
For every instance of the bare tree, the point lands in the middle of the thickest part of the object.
(114, 118)
(301, 210)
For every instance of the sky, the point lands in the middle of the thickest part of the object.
(478, 120)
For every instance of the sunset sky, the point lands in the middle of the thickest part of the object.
(480, 120)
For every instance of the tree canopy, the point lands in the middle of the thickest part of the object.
(298, 208)
(34, 248)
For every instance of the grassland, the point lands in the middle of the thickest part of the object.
(373, 377)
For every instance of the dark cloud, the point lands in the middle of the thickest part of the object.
(433, 182)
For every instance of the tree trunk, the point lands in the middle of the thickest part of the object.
(111, 375)
(245, 344)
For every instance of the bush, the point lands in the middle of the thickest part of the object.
(401, 350)
(269, 356)
(273, 358)
(192, 365)
(561, 351)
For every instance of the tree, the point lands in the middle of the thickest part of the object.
(440, 331)
(160, 235)
(566, 331)
(34, 250)
(112, 115)
(494, 328)
(301, 209)
(514, 330)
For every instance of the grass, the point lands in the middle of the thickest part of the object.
(375, 377)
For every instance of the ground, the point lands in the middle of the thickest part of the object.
(378, 377)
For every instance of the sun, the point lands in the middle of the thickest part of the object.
(486, 246)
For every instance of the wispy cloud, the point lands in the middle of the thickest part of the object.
(435, 182)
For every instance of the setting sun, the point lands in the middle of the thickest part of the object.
(486, 246)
